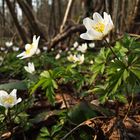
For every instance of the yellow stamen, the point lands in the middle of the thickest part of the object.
(8, 100)
(99, 27)
(29, 49)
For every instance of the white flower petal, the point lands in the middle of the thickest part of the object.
(91, 45)
(14, 93)
(95, 35)
(111, 22)
(75, 44)
(107, 29)
(27, 46)
(26, 56)
(18, 100)
(38, 51)
(7, 105)
(27, 69)
(86, 36)
(88, 23)
(30, 68)
(97, 17)
(34, 38)
(21, 54)
(3, 93)
(106, 18)
(35, 42)
(57, 56)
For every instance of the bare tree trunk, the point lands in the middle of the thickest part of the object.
(88, 7)
(51, 28)
(20, 30)
(53, 17)
(30, 3)
(59, 11)
(3, 11)
(35, 25)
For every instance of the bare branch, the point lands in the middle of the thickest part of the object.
(61, 36)
(68, 9)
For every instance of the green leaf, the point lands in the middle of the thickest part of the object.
(44, 132)
(136, 71)
(56, 129)
(121, 98)
(50, 94)
(21, 85)
(39, 83)
(125, 75)
(45, 74)
(82, 108)
(54, 84)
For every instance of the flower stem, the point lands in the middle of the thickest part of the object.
(9, 121)
(110, 47)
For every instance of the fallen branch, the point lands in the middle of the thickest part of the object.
(66, 33)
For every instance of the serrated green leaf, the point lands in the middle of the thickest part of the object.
(44, 132)
(45, 74)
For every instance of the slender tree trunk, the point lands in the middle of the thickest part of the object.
(35, 25)
(3, 11)
(59, 11)
(88, 7)
(20, 30)
(30, 3)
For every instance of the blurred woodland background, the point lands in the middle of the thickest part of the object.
(59, 20)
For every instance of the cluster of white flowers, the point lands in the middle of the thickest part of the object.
(9, 100)
(96, 30)
(82, 48)
(10, 44)
(79, 59)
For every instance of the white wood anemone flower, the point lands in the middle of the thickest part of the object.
(72, 58)
(79, 59)
(57, 56)
(98, 27)
(30, 68)
(9, 100)
(75, 45)
(9, 44)
(30, 49)
(82, 48)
